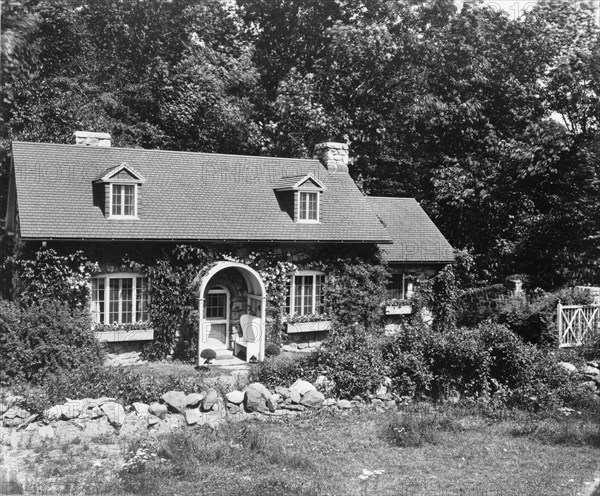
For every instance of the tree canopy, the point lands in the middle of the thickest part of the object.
(492, 123)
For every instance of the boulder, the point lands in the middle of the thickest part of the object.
(259, 388)
(272, 402)
(16, 412)
(232, 408)
(193, 400)
(283, 392)
(175, 400)
(158, 410)
(193, 416)
(290, 347)
(569, 367)
(73, 409)
(295, 396)
(594, 363)
(218, 406)
(94, 412)
(344, 404)
(53, 413)
(329, 402)
(591, 371)
(320, 382)
(235, 397)
(141, 409)
(312, 399)
(302, 346)
(114, 413)
(3, 408)
(302, 387)
(255, 401)
(211, 397)
(46, 432)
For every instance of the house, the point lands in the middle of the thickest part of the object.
(116, 203)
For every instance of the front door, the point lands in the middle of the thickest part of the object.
(217, 319)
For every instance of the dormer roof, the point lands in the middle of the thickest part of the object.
(294, 183)
(123, 173)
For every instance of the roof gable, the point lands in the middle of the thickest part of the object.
(121, 173)
(307, 181)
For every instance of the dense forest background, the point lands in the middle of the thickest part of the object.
(491, 123)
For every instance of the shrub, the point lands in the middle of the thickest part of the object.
(283, 371)
(351, 357)
(208, 355)
(272, 350)
(45, 338)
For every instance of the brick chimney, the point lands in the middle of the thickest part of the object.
(334, 156)
(92, 139)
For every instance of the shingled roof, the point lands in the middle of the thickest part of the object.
(416, 239)
(186, 197)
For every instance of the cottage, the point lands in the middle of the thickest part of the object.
(120, 205)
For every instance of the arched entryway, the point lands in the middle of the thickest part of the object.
(227, 292)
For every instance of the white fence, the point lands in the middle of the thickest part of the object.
(577, 324)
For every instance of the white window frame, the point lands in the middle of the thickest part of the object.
(135, 202)
(306, 211)
(134, 289)
(292, 291)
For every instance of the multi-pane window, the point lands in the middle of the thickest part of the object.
(401, 287)
(309, 207)
(119, 299)
(122, 200)
(215, 306)
(305, 295)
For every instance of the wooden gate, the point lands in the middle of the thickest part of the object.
(577, 324)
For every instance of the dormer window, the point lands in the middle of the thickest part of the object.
(307, 192)
(309, 207)
(121, 189)
(123, 200)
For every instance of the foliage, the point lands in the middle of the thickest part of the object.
(278, 371)
(353, 291)
(43, 339)
(50, 276)
(352, 360)
(272, 349)
(89, 381)
(208, 355)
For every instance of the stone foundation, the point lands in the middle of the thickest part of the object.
(125, 353)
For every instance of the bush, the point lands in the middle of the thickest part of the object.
(208, 355)
(272, 350)
(351, 357)
(45, 338)
(126, 385)
(283, 371)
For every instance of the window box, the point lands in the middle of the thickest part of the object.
(398, 309)
(316, 326)
(120, 335)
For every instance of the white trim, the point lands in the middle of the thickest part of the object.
(109, 176)
(308, 221)
(135, 202)
(300, 273)
(225, 320)
(134, 310)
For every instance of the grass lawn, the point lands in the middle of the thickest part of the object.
(321, 453)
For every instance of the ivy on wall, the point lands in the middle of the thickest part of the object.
(353, 289)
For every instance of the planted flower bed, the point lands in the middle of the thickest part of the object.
(139, 331)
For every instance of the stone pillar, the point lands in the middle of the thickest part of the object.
(334, 156)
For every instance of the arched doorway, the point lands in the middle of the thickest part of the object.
(217, 316)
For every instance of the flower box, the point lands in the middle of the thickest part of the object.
(125, 335)
(319, 325)
(398, 309)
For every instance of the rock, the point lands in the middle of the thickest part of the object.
(314, 344)
(3, 408)
(376, 403)
(290, 347)
(72, 409)
(46, 432)
(193, 416)
(211, 397)
(329, 402)
(141, 409)
(297, 408)
(233, 409)
(590, 385)
(11, 422)
(283, 392)
(589, 370)
(320, 382)
(193, 400)
(94, 412)
(382, 390)
(344, 404)
(235, 397)
(259, 388)
(176, 400)
(312, 399)
(272, 402)
(27, 421)
(16, 412)
(12, 400)
(53, 413)
(153, 420)
(158, 410)
(302, 346)
(295, 396)
(101, 401)
(594, 363)
(569, 367)
(387, 382)
(302, 387)
(114, 413)
(390, 404)
(218, 406)
(255, 401)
